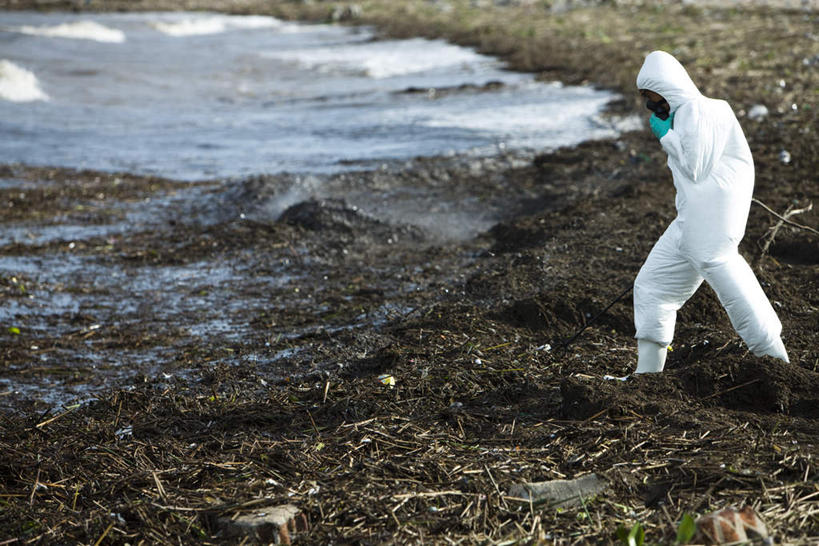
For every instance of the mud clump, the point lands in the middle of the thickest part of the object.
(758, 386)
(510, 237)
(796, 250)
(540, 314)
(755, 385)
(335, 219)
(384, 360)
(644, 395)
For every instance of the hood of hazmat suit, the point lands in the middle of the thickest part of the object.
(713, 174)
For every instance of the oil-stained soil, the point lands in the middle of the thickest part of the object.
(176, 352)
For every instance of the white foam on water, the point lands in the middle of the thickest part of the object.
(572, 116)
(18, 84)
(385, 59)
(79, 30)
(214, 24)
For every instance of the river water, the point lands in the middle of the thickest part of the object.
(200, 95)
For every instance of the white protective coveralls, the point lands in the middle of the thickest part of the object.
(713, 174)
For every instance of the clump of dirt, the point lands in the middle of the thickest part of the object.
(510, 237)
(795, 249)
(334, 218)
(758, 386)
(586, 397)
(544, 313)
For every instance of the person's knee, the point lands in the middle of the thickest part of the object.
(706, 262)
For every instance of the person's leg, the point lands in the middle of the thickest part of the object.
(665, 282)
(748, 307)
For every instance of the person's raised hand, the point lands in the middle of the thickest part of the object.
(658, 126)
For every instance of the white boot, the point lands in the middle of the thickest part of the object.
(777, 350)
(650, 356)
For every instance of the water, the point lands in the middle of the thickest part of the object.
(193, 96)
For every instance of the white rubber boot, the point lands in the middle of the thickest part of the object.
(650, 356)
(777, 350)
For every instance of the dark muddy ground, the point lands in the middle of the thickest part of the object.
(183, 351)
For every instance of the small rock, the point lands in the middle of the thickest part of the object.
(560, 492)
(277, 525)
(784, 157)
(758, 112)
(732, 526)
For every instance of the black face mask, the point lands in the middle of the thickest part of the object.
(660, 108)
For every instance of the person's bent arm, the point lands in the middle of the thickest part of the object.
(694, 143)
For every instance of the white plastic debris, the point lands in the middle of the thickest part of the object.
(560, 493)
(615, 378)
(758, 112)
(124, 432)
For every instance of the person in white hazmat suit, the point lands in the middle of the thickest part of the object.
(713, 174)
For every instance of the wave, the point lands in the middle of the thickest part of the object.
(80, 30)
(385, 59)
(571, 115)
(18, 84)
(216, 24)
